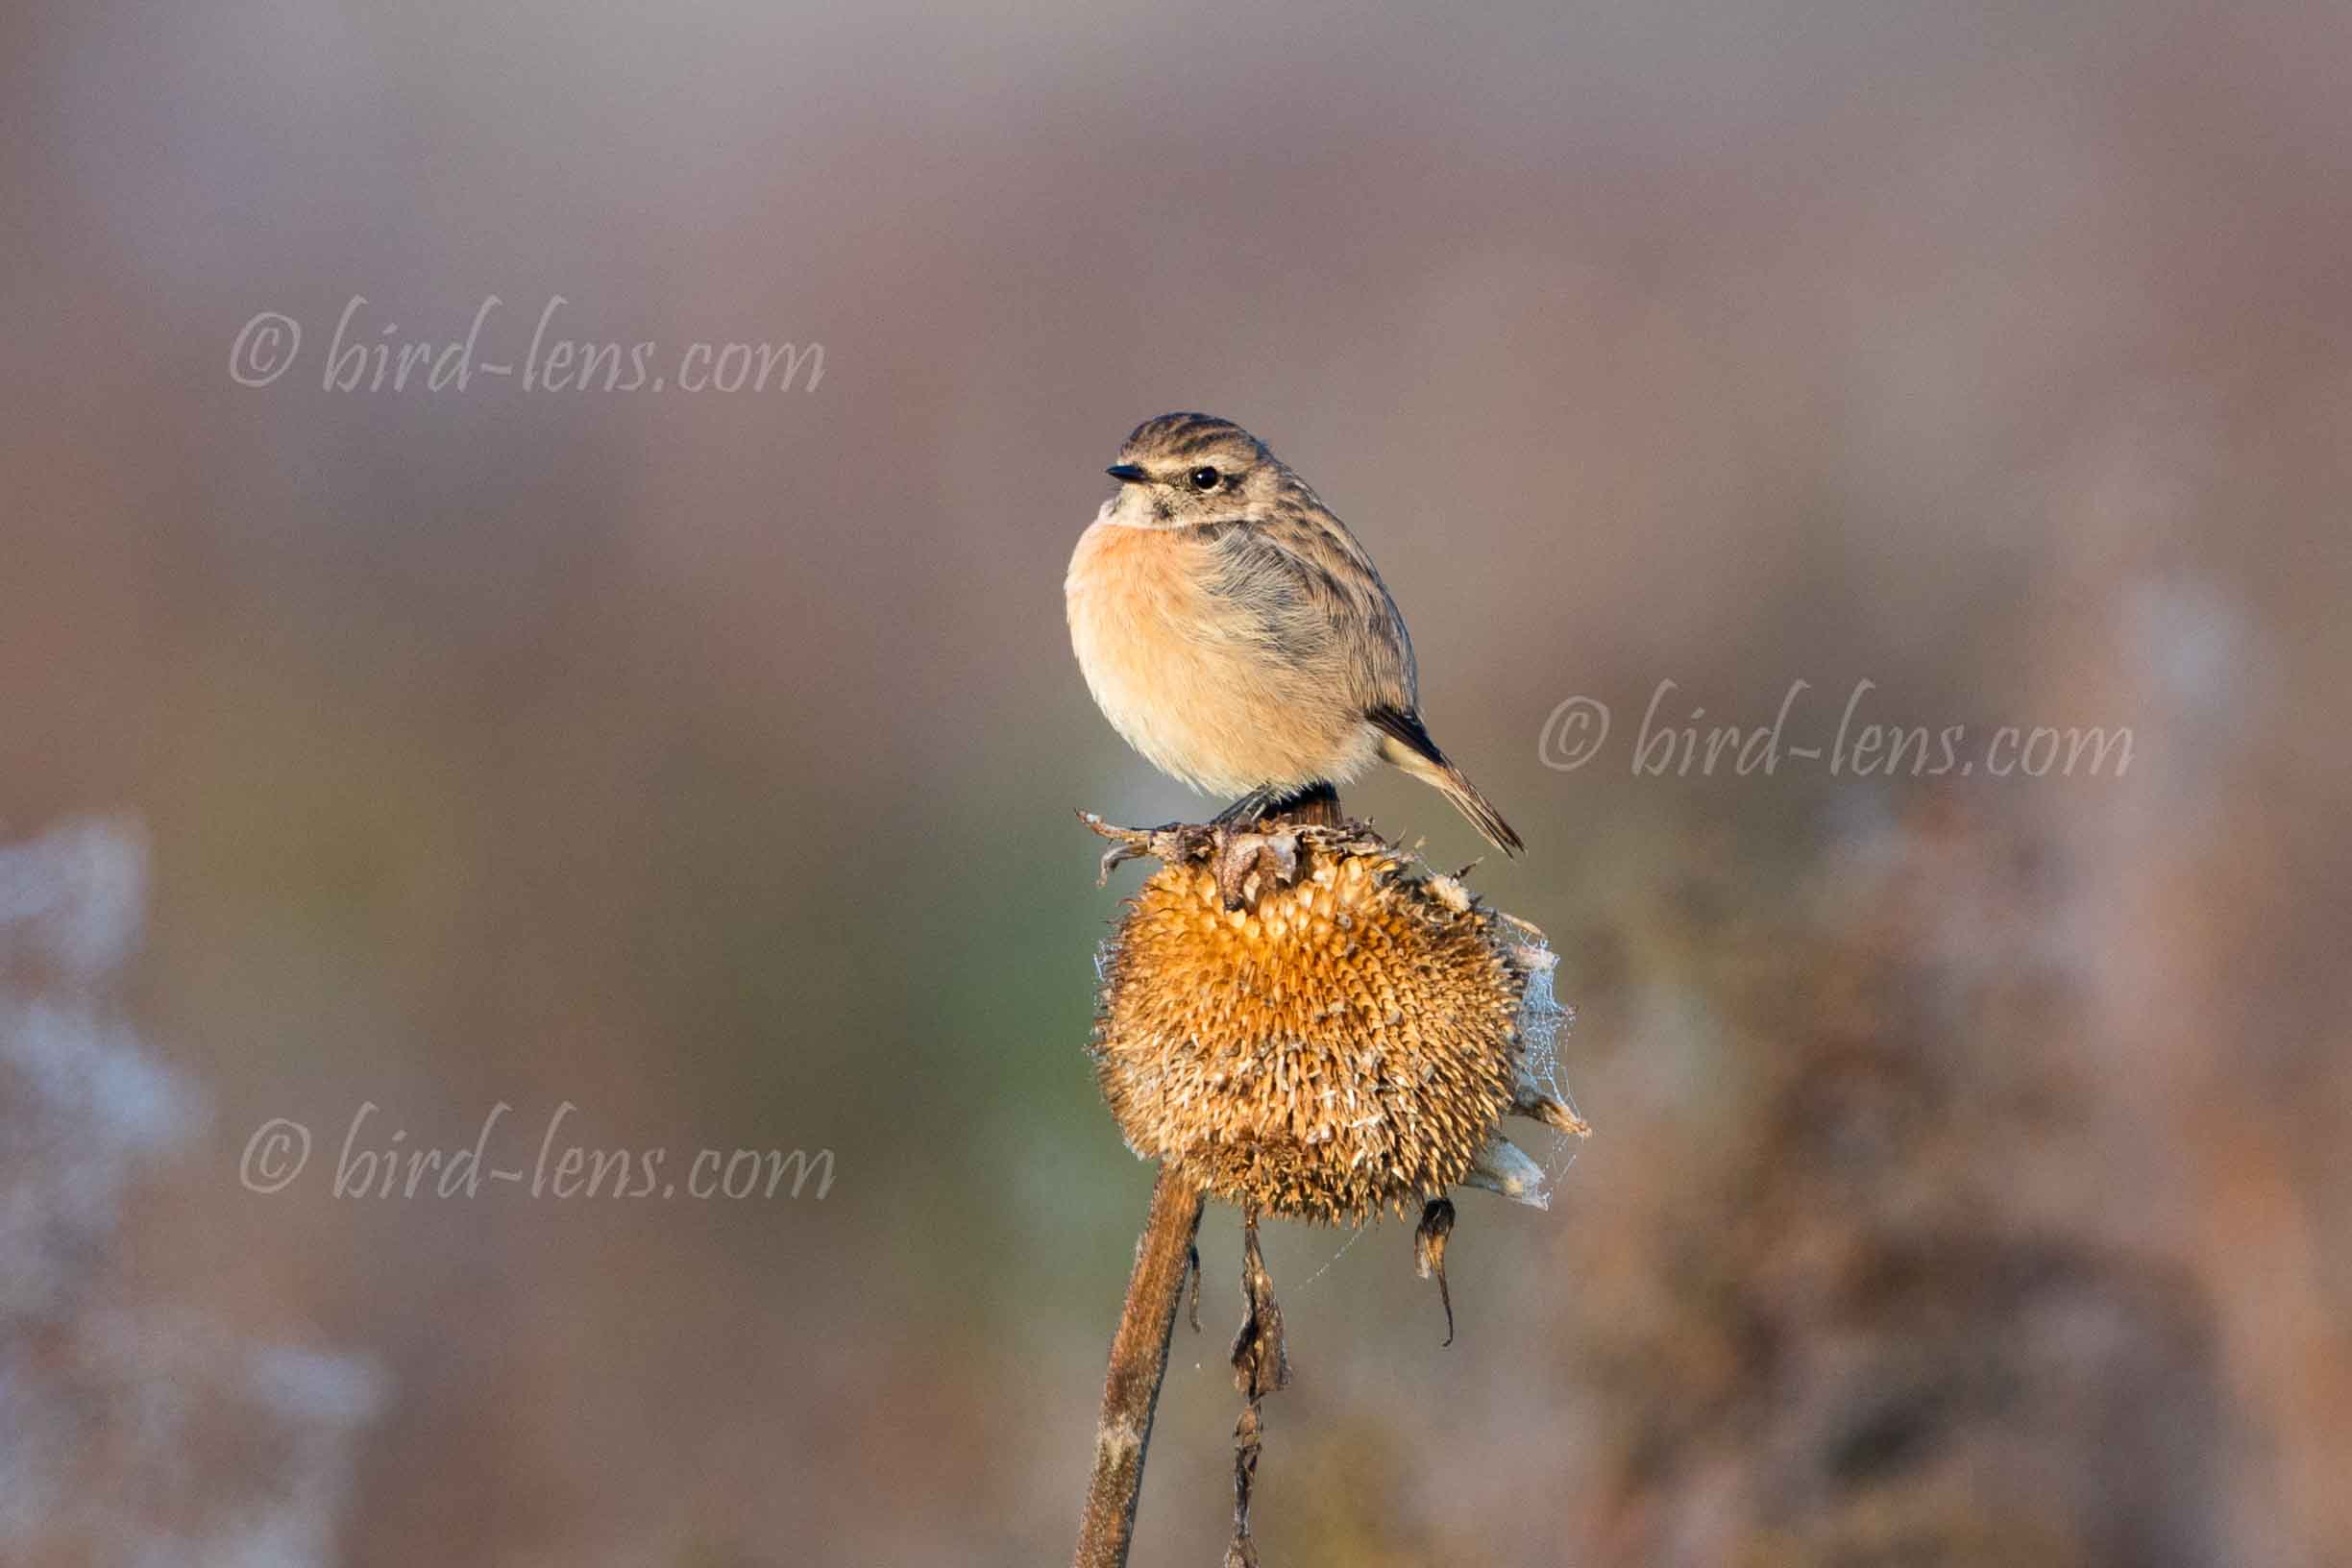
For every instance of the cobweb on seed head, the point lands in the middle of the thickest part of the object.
(1543, 1017)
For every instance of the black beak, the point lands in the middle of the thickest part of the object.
(1127, 472)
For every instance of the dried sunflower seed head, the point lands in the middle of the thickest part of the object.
(1342, 1045)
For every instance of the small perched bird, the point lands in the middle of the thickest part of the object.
(1235, 632)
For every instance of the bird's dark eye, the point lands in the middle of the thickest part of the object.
(1204, 478)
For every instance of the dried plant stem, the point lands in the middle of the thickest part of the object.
(1139, 1361)
(1261, 1368)
(1166, 1254)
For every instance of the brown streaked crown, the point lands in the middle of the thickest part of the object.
(1185, 439)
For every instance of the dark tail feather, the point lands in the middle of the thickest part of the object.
(1481, 812)
(1408, 745)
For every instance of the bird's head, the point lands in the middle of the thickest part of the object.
(1182, 471)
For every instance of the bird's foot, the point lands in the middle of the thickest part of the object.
(1249, 809)
(1310, 805)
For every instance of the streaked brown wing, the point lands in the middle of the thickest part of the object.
(1316, 603)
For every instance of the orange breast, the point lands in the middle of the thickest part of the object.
(1187, 679)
